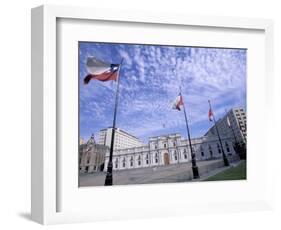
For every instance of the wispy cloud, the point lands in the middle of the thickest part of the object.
(150, 80)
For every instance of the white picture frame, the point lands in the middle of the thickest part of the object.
(47, 175)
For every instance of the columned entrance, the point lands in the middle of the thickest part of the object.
(166, 159)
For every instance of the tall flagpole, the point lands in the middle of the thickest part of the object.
(193, 159)
(225, 160)
(108, 178)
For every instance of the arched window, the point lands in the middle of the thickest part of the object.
(165, 146)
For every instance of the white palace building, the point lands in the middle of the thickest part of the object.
(169, 149)
(172, 149)
(130, 153)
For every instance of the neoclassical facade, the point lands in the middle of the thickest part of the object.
(92, 156)
(169, 149)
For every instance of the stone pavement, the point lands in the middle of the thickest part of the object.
(161, 174)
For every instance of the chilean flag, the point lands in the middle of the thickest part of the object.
(210, 114)
(100, 70)
(178, 102)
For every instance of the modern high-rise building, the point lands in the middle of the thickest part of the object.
(122, 139)
(238, 125)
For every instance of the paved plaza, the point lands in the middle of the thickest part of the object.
(161, 174)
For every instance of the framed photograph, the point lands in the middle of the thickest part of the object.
(151, 114)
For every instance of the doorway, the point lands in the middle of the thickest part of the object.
(166, 159)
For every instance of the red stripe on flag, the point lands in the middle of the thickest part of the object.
(180, 102)
(107, 76)
(210, 114)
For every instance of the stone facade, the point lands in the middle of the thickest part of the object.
(170, 149)
(92, 156)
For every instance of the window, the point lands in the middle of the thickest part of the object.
(175, 156)
(139, 160)
(89, 159)
(219, 149)
(210, 151)
(124, 162)
(147, 159)
(116, 163)
(132, 161)
(165, 145)
(174, 143)
(185, 156)
(156, 158)
(227, 147)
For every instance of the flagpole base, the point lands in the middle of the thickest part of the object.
(108, 178)
(195, 172)
(225, 161)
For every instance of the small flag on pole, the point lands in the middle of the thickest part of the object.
(228, 121)
(210, 114)
(178, 102)
(100, 70)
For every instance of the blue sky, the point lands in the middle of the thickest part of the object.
(150, 79)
